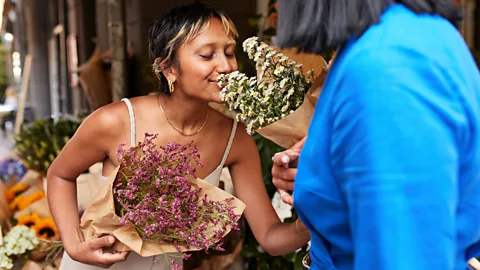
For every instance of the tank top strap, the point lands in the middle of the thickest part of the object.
(229, 145)
(132, 121)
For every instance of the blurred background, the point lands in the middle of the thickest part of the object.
(62, 59)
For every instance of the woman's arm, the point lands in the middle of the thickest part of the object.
(274, 236)
(89, 145)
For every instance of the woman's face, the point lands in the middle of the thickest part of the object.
(202, 60)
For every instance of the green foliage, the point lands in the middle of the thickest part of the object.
(3, 73)
(252, 254)
(38, 143)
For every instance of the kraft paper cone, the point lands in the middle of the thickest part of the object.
(288, 131)
(12, 181)
(291, 129)
(4, 210)
(100, 219)
(31, 178)
(34, 187)
(87, 186)
(31, 265)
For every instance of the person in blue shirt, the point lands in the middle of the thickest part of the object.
(389, 174)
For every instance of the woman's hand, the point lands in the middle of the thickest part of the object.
(284, 170)
(91, 252)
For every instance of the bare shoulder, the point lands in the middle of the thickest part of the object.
(108, 119)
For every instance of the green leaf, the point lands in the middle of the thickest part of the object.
(254, 20)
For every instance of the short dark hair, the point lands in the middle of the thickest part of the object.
(176, 27)
(321, 25)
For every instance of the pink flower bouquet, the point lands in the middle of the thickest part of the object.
(154, 204)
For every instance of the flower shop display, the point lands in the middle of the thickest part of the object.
(11, 167)
(39, 142)
(30, 233)
(278, 103)
(155, 196)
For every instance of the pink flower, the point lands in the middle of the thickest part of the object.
(153, 194)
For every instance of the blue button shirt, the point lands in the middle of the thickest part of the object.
(389, 177)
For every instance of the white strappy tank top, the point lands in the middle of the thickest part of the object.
(214, 177)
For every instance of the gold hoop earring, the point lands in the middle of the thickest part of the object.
(170, 86)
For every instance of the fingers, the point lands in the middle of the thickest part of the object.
(286, 197)
(93, 252)
(284, 158)
(101, 242)
(107, 259)
(283, 177)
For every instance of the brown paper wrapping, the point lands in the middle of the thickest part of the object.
(4, 210)
(88, 185)
(31, 178)
(291, 129)
(100, 219)
(31, 265)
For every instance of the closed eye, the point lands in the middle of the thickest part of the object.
(207, 57)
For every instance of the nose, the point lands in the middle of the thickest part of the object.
(225, 65)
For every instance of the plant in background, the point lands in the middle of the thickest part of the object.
(38, 143)
(3, 72)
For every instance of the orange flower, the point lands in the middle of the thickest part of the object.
(21, 202)
(46, 228)
(16, 201)
(28, 220)
(30, 199)
(14, 191)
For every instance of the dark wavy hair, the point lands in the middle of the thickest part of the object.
(321, 25)
(176, 27)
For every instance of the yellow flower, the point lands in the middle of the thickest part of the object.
(14, 191)
(46, 228)
(28, 220)
(16, 201)
(31, 199)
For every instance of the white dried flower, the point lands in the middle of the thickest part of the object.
(5, 262)
(279, 70)
(280, 84)
(19, 240)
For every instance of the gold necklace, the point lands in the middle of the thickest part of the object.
(177, 129)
